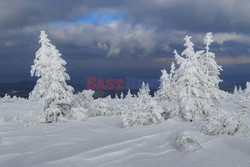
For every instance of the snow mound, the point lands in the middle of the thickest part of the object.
(185, 142)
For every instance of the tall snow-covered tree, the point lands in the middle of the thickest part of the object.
(51, 88)
(165, 87)
(192, 101)
(211, 71)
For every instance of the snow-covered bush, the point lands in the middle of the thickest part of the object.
(145, 110)
(78, 113)
(9, 99)
(120, 109)
(228, 124)
(167, 112)
(185, 142)
(81, 105)
(83, 99)
(143, 114)
(101, 108)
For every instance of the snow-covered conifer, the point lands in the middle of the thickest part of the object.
(144, 92)
(240, 90)
(236, 92)
(211, 71)
(247, 90)
(51, 88)
(145, 112)
(122, 96)
(102, 108)
(81, 104)
(129, 95)
(165, 87)
(83, 99)
(192, 101)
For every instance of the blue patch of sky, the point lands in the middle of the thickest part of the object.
(93, 17)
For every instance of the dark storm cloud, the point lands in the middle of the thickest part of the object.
(16, 14)
(192, 15)
(131, 28)
(188, 15)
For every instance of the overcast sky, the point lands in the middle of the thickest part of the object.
(122, 38)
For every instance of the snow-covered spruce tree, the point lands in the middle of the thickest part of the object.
(211, 72)
(144, 91)
(236, 92)
(129, 95)
(122, 96)
(247, 90)
(192, 101)
(145, 110)
(165, 87)
(51, 88)
(240, 90)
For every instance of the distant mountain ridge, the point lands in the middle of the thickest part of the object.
(23, 88)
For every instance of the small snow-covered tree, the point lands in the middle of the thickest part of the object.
(192, 100)
(145, 110)
(79, 113)
(51, 88)
(83, 99)
(122, 95)
(236, 92)
(144, 91)
(102, 108)
(247, 90)
(81, 105)
(240, 90)
(129, 95)
(165, 87)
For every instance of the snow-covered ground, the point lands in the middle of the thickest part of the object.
(105, 142)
